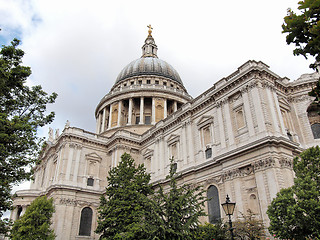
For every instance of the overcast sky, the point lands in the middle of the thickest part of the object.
(77, 48)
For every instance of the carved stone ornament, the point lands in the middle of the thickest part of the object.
(237, 172)
(300, 99)
(264, 163)
(74, 202)
(286, 162)
(216, 180)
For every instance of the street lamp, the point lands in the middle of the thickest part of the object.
(228, 208)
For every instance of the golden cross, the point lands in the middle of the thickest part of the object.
(150, 29)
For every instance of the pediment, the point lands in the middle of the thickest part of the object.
(173, 138)
(93, 157)
(204, 120)
(147, 153)
(283, 102)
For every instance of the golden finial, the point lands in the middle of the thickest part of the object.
(150, 29)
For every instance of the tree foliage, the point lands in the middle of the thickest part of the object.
(295, 212)
(178, 209)
(125, 209)
(35, 223)
(303, 29)
(22, 111)
(249, 227)
(209, 231)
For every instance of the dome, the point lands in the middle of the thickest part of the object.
(149, 66)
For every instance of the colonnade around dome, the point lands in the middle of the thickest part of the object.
(135, 111)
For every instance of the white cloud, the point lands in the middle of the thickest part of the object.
(77, 47)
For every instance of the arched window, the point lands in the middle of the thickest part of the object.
(314, 119)
(85, 222)
(213, 204)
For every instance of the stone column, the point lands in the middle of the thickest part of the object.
(190, 141)
(14, 213)
(221, 127)
(141, 110)
(103, 120)
(228, 122)
(153, 111)
(56, 175)
(272, 110)
(24, 208)
(99, 123)
(275, 97)
(165, 109)
(130, 112)
(184, 143)
(110, 116)
(258, 109)
(77, 163)
(161, 155)
(175, 106)
(247, 112)
(69, 160)
(119, 113)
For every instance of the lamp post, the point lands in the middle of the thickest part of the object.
(228, 208)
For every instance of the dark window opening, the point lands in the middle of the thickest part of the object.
(19, 211)
(132, 83)
(289, 136)
(208, 153)
(85, 222)
(137, 120)
(174, 167)
(147, 119)
(213, 204)
(140, 82)
(90, 182)
(156, 82)
(316, 130)
(164, 84)
(148, 81)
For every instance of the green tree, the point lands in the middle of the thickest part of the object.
(249, 227)
(22, 111)
(303, 29)
(125, 209)
(35, 223)
(178, 209)
(295, 212)
(209, 231)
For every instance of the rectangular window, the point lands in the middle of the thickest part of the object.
(156, 82)
(148, 81)
(208, 153)
(164, 84)
(147, 119)
(140, 82)
(137, 119)
(90, 182)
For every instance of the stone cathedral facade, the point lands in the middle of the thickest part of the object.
(238, 138)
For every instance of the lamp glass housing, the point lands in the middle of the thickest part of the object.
(228, 207)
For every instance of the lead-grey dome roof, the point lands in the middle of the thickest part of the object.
(149, 66)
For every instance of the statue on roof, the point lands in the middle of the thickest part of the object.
(150, 29)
